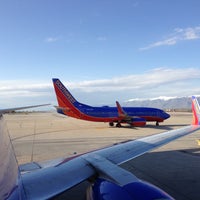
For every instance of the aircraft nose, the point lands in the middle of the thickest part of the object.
(166, 115)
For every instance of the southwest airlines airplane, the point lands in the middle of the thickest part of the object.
(108, 180)
(135, 116)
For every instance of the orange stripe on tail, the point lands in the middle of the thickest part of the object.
(195, 111)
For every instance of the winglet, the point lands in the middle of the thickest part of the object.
(195, 111)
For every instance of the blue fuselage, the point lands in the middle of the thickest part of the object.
(149, 114)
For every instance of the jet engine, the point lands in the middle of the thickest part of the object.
(137, 121)
(103, 189)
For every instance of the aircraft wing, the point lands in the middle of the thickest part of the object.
(49, 180)
(132, 120)
(8, 110)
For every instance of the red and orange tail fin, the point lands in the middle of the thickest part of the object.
(64, 97)
(195, 111)
(66, 102)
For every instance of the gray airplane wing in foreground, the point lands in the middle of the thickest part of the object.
(8, 110)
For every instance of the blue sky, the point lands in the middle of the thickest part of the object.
(103, 50)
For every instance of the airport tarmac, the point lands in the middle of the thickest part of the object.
(174, 167)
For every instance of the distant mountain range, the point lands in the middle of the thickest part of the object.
(180, 103)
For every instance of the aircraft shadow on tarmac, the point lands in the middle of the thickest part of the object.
(176, 172)
(167, 127)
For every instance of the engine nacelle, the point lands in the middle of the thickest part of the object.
(136, 121)
(105, 190)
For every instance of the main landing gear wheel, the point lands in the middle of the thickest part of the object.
(157, 123)
(118, 125)
(111, 124)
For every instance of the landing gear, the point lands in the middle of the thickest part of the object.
(157, 123)
(111, 124)
(118, 125)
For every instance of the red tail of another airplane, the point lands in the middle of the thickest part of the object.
(61, 91)
(195, 111)
(66, 102)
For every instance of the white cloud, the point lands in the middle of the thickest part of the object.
(51, 39)
(154, 83)
(165, 98)
(102, 38)
(177, 36)
(25, 88)
(151, 84)
(149, 79)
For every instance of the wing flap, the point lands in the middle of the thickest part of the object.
(51, 181)
(109, 170)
